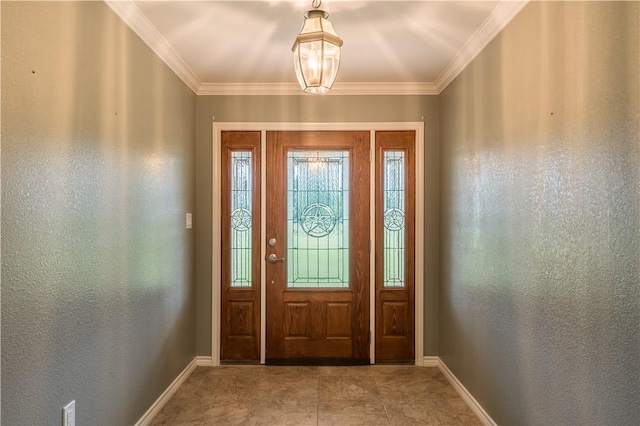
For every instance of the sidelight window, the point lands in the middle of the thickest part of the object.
(241, 218)
(394, 194)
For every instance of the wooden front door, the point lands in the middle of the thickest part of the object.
(317, 233)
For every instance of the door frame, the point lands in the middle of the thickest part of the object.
(264, 127)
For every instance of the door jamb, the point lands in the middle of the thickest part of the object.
(218, 128)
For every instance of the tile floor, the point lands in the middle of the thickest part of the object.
(271, 395)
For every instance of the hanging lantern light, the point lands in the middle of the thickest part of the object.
(316, 52)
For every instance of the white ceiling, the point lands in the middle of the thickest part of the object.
(228, 47)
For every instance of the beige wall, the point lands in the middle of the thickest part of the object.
(314, 109)
(540, 137)
(98, 149)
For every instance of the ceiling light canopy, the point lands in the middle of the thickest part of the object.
(316, 52)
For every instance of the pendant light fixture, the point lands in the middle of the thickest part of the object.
(316, 52)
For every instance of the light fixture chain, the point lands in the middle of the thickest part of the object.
(316, 4)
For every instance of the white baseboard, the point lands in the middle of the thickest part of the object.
(203, 361)
(431, 361)
(168, 393)
(465, 394)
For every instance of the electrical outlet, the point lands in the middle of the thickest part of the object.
(69, 414)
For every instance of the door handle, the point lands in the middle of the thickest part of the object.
(273, 258)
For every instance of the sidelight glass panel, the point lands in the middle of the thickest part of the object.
(394, 192)
(241, 218)
(318, 219)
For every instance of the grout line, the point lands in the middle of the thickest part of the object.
(382, 400)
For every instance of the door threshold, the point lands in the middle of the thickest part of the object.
(234, 362)
(317, 361)
(398, 362)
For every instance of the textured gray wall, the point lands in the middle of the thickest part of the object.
(540, 151)
(314, 109)
(98, 143)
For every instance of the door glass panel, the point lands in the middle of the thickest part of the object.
(241, 212)
(394, 212)
(318, 219)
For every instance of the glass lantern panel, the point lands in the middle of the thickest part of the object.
(296, 65)
(331, 61)
(311, 62)
(311, 25)
(328, 27)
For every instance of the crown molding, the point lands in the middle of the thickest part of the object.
(504, 12)
(134, 18)
(337, 89)
(399, 88)
(249, 89)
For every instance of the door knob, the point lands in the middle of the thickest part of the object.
(273, 258)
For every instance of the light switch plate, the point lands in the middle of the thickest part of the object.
(69, 414)
(189, 221)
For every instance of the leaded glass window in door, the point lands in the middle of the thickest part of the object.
(318, 219)
(394, 189)
(241, 223)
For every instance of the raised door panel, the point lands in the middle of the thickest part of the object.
(338, 320)
(240, 319)
(297, 321)
(395, 319)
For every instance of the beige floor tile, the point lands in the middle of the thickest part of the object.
(284, 411)
(304, 387)
(337, 388)
(445, 414)
(229, 388)
(357, 371)
(470, 419)
(284, 372)
(458, 405)
(367, 395)
(190, 386)
(170, 412)
(410, 413)
(406, 390)
(215, 413)
(352, 412)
